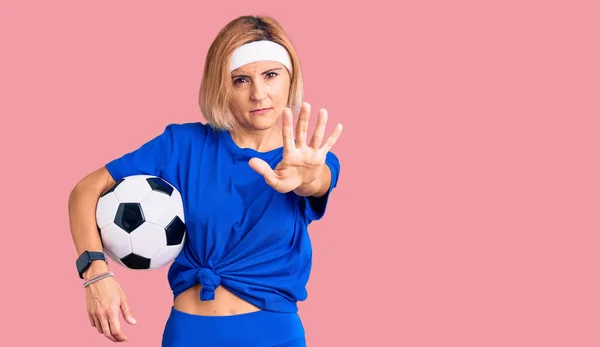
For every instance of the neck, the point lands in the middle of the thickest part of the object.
(259, 140)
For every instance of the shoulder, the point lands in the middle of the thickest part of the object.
(189, 129)
(186, 133)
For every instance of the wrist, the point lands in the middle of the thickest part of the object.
(318, 186)
(96, 267)
(97, 278)
(308, 189)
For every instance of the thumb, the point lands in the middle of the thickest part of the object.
(263, 168)
(127, 312)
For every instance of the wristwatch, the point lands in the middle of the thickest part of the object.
(85, 260)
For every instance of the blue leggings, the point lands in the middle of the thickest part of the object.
(254, 329)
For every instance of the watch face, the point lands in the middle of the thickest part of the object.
(83, 261)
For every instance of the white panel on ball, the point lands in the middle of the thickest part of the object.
(106, 210)
(177, 204)
(148, 240)
(133, 189)
(113, 257)
(158, 208)
(165, 256)
(116, 240)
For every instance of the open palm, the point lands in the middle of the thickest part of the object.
(302, 162)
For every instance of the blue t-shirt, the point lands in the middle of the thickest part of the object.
(242, 234)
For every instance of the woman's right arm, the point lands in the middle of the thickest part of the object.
(104, 298)
(82, 215)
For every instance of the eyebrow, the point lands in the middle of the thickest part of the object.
(266, 72)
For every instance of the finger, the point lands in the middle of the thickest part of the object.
(302, 127)
(115, 326)
(319, 133)
(106, 328)
(263, 168)
(97, 325)
(332, 138)
(288, 129)
(127, 312)
(91, 318)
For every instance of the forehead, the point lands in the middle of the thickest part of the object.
(257, 67)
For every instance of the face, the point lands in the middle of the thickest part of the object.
(261, 92)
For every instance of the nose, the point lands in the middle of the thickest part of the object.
(259, 91)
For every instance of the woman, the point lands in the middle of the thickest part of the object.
(250, 189)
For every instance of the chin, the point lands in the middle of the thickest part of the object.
(262, 122)
(262, 125)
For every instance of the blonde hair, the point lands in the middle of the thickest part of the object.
(216, 87)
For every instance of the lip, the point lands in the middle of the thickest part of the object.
(261, 110)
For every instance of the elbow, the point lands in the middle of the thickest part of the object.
(81, 185)
(76, 192)
(94, 183)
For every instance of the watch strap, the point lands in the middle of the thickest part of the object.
(97, 256)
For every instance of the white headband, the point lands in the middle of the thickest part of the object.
(260, 51)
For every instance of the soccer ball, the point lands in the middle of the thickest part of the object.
(141, 222)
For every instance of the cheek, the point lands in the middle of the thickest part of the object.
(280, 94)
(237, 103)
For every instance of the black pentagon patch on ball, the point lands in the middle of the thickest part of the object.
(129, 216)
(100, 233)
(134, 261)
(175, 231)
(159, 185)
(113, 187)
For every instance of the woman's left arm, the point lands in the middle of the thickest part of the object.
(304, 167)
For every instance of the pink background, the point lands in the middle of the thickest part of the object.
(467, 212)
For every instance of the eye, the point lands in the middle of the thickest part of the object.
(238, 80)
(273, 74)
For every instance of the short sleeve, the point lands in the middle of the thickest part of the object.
(315, 207)
(149, 159)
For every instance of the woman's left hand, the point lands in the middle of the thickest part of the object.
(302, 163)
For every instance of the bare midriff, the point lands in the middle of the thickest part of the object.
(225, 303)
